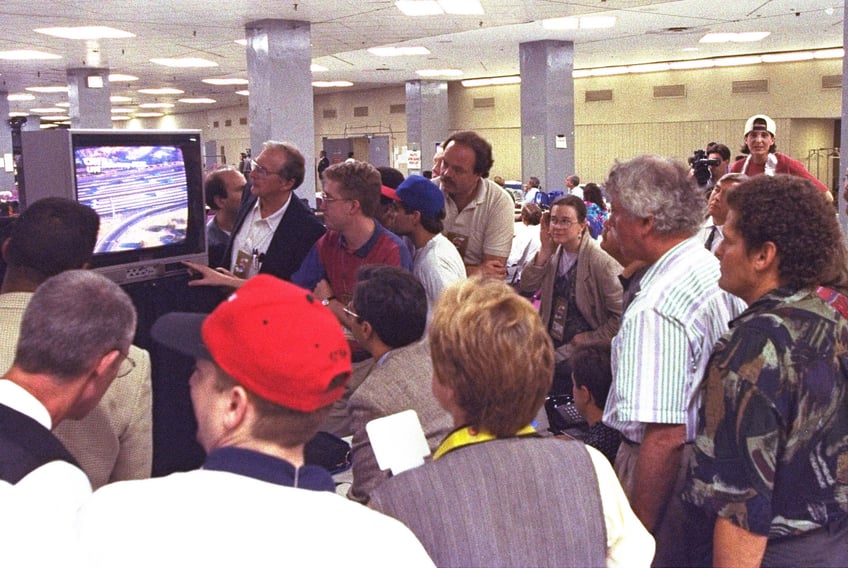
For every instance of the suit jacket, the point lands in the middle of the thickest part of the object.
(400, 383)
(115, 441)
(297, 232)
(507, 502)
(598, 290)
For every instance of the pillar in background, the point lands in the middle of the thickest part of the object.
(280, 106)
(88, 95)
(547, 111)
(7, 176)
(426, 118)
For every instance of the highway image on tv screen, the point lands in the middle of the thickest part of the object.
(139, 192)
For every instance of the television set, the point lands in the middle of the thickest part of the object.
(146, 185)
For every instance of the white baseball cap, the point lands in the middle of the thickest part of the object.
(760, 122)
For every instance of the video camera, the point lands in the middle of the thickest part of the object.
(701, 166)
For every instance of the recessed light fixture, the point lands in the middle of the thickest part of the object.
(85, 32)
(325, 84)
(561, 23)
(119, 99)
(742, 37)
(315, 68)
(183, 62)
(20, 97)
(398, 51)
(244, 93)
(149, 114)
(225, 81)
(121, 78)
(197, 101)
(27, 55)
(436, 7)
(156, 105)
(50, 89)
(162, 91)
(439, 72)
(94, 81)
(490, 81)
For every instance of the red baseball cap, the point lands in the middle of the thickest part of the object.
(273, 338)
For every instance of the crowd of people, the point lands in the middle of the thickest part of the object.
(700, 332)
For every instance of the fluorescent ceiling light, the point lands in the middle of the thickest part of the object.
(162, 91)
(119, 99)
(46, 125)
(580, 73)
(561, 24)
(315, 68)
(741, 60)
(156, 105)
(439, 72)
(26, 55)
(122, 110)
(241, 41)
(51, 89)
(597, 22)
(46, 110)
(829, 53)
(20, 97)
(694, 64)
(183, 62)
(85, 32)
(121, 117)
(606, 71)
(17, 114)
(742, 37)
(56, 117)
(149, 114)
(419, 7)
(244, 93)
(121, 78)
(225, 81)
(63, 105)
(461, 7)
(397, 51)
(649, 68)
(489, 81)
(784, 57)
(324, 84)
(197, 101)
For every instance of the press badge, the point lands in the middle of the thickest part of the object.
(557, 330)
(247, 264)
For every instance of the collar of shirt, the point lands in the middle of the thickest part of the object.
(264, 467)
(466, 436)
(684, 248)
(363, 251)
(17, 398)
(274, 218)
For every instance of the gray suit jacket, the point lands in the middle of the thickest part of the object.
(400, 383)
(508, 502)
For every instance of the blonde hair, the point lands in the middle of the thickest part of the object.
(491, 348)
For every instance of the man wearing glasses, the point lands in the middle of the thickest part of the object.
(273, 231)
(115, 441)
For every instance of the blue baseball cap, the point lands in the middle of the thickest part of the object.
(420, 194)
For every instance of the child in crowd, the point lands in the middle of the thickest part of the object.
(592, 377)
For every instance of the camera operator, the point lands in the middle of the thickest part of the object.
(708, 166)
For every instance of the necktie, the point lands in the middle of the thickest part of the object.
(711, 238)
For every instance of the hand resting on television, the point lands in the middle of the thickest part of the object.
(205, 276)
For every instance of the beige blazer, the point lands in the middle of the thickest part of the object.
(598, 290)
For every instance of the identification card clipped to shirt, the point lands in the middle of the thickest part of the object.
(247, 264)
(558, 314)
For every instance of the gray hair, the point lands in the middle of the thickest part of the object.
(653, 186)
(73, 319)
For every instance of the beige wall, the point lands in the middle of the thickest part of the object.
(632, 123)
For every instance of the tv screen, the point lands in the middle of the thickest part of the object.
(140, 193)
(146, 185)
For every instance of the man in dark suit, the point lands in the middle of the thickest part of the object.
(274, 230)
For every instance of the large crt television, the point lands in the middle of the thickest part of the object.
(146, 185)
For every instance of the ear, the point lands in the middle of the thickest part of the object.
(96, 382)
(218, 199)
(236, 407)
(766, 257)
(366, 328)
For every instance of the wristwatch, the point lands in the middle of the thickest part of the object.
(326, 301)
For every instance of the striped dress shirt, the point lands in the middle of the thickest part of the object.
(667, 334)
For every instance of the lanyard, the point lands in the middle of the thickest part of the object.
(467, 436)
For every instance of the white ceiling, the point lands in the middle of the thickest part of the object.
(342, 30)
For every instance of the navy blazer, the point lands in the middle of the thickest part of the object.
(297, 232)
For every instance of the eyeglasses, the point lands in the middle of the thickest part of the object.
(261, 170)
(127, 366)
(349, 311)
(563, 222)
(327, 198)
